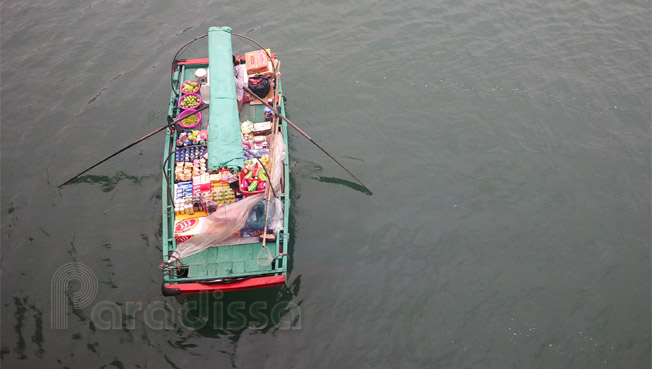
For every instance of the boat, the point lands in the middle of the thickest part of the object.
(225, 188)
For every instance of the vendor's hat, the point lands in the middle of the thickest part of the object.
(267, 110)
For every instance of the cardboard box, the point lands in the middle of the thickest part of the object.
(258, 62)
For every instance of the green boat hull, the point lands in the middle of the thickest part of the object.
(225, 267)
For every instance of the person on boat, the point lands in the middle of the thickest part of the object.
(240, 73)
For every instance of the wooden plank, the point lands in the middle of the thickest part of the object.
(238, 252)
(199, 61)
(247, 253)
(251, 266)
(211, 270)
(211, 254)
(224, 253)
(238, 267)
(197, 271)
(189, 288)
(225, 269)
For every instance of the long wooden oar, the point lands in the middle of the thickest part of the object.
(271, 161)
(304, 134)
(130, 145)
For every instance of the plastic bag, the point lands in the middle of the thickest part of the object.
(220, 225)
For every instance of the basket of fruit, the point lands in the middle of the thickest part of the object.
(189, 101)
(189, 119)
(253, 180)
(189, 87)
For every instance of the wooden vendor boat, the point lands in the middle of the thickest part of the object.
(225, 186)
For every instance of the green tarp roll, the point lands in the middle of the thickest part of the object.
(224, 141)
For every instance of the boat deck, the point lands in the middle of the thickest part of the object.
(239, 258)
(226, 261)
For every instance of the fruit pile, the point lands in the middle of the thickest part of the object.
(189, 101)
(189, 87)
(253, 178)
(190, 121)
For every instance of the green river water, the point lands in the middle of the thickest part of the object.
(507, 143)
